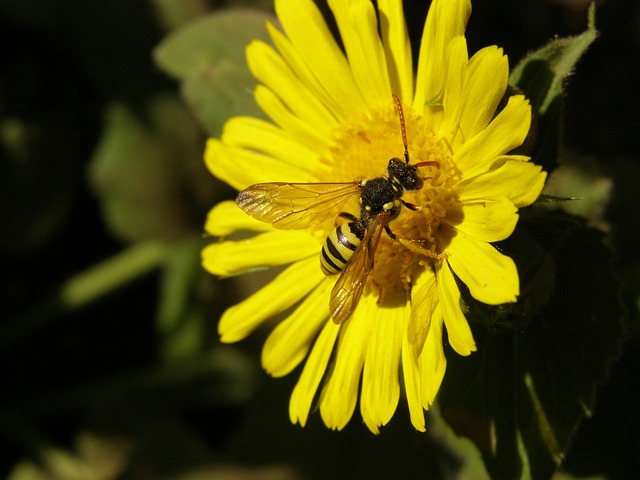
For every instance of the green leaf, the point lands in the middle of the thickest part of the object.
(541, 75)
(217, 93)
(219, 36)
(521, 398)
(173, 14)
(184, 318)
(149, 174)
(54, 463)
(580, 179)
(208, 57)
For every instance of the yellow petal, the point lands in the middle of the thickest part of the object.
(240, 167)
(304, 25)
(459, 333)
(259, 135)
(446, 19)
(397, 48)
(453, 102)
(304, 73)
(281, 293)
(277, 247)
(492, 277)
(380, 383)
(290, 341)
(226, 218)
(277, 111)
(530, 192)
(505, 132)
(312, 374)
(489, 221)
(511, 176)
(339, 395)
(432, 362)
(411, 377)
(358, 27)
(424, 299)
(486, 79)
(271, 70)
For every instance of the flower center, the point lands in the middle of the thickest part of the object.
(362, 148)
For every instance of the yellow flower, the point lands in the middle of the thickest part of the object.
(334, 120)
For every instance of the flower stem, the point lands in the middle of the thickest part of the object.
(84, 288)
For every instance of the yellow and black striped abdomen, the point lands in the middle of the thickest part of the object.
(339, 247)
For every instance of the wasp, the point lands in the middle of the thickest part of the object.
(349, 249)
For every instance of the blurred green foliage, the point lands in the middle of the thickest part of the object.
(111, 366)
(207, 57)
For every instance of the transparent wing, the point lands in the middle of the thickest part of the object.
(348, 289)
(295, 205)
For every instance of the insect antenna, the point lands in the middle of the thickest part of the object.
(403, 130)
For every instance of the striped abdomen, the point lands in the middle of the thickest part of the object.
(339, 247)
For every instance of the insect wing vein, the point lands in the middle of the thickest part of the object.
(348, 289)
(295, 205)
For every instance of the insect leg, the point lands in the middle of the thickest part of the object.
(410, 206)
(415, 247)
(392, 235)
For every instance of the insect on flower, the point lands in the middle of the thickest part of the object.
(349, 249)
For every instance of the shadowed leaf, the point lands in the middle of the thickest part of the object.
(149, 172)
(522, 397)
(208, 57)
(541, 75)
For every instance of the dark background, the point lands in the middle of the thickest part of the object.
(61, 63)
